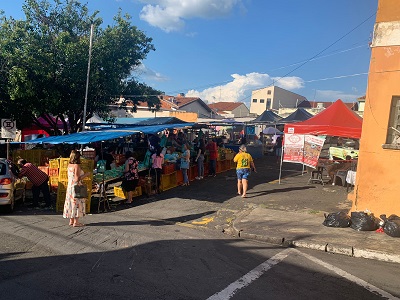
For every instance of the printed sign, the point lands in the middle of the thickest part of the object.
(312, 149)
(293, 148)
(8, 129)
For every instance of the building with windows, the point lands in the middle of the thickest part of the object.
(273, 98)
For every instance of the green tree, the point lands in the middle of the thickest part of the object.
(44, 60)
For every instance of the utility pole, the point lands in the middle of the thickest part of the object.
(87, 78)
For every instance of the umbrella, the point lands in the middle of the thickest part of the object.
(271, 130)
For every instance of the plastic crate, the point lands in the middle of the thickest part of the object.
(193, 172)
(63, 174)
(53, 172)
(119, 192)
(168, 181)
(87, 164)
(168, 168)
(179, 177)
(233, 164)
(64, 163)
(62, 185)
(54, 163)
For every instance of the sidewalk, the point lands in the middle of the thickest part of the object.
(291, 214)
(298, 229)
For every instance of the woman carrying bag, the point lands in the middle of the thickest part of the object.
(185, 163)
(74, 207)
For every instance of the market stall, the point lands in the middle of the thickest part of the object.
(102, 180)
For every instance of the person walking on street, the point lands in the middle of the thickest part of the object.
(39, 179)
(213, 154)
(244, 165)
(74, 208)
(200, 159)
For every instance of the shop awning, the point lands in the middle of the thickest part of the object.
(87, 137)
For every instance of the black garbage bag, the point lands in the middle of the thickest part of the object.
(362, 221)
(391, 225)
(337, 219)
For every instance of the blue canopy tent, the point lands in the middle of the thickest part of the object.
(86, 137)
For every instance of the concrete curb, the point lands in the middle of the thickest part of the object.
(347, 250)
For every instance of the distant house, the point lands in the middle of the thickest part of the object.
(230, 109)
(189, 104)
(273, 97)
(361, 104)
(167, 108)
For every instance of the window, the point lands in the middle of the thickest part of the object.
(254, 100)
(393, 131)
(269, 92)
(268, 103)
(262, 100)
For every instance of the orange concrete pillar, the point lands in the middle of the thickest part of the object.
(377, 186)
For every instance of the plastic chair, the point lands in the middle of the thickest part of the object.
(316, 176)
(341, 174)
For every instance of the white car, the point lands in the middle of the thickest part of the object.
(12, 188)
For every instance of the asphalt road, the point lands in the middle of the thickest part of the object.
(131, 256)
(171, 246)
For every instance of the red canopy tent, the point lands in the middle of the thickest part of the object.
(336, 120)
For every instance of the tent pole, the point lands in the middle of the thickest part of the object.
(280, 166)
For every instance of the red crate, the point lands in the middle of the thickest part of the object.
(193, 172)
(168, 168)
(53, 172)
(179, 177)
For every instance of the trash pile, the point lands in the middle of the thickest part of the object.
(364, 221)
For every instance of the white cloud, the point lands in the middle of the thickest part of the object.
(170, 15)
(149, 75)
(331, 96)
(240, 88)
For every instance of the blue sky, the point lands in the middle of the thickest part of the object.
(221, 50)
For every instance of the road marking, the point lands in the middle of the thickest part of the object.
(348, 276)
(254, 274)
(204, 221)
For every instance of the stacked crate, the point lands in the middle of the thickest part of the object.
(38, 157)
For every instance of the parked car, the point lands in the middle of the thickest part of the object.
(12, 188)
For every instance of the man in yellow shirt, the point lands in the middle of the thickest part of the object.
(244, 164)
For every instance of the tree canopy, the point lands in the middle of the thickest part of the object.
(44, 63)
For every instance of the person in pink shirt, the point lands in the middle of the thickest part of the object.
(156, 167)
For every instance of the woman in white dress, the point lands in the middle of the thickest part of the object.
(74, 208)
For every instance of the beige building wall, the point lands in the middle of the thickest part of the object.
(273, 97)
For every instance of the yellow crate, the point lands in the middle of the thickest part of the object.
(53, 181)
(54, 163)
(64, 163)
(62, 185)
(87, 164)
(63, 174)
(168, 181)
(61, 200)
(119, 192)
(60, 206)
